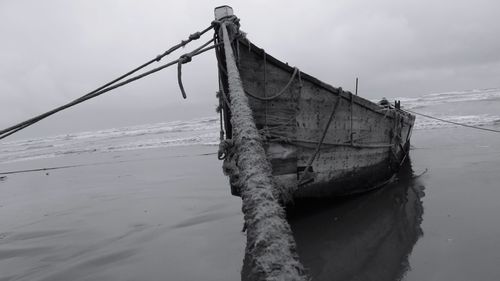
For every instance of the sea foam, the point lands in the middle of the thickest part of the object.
(205, 131)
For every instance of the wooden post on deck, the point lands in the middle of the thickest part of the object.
(271, 250)
(356, 91)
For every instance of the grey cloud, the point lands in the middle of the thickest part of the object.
(53, 51)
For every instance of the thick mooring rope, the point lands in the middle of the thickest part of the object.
(270, 246)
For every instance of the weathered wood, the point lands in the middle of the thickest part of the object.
(319, 84)
(363, 139)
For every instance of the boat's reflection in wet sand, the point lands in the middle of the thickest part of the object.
(367, 237)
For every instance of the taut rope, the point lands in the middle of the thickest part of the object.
(452, 122)
(113, 84)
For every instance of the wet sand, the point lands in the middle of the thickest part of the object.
(440, 225)
(162, 214)
(461, 208)
(167, 214)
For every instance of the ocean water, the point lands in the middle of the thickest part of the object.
(200, 131)
(472, 107)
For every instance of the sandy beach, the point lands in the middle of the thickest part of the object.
(159, 214)
(167, 214)
(439, 221)
(461, 225)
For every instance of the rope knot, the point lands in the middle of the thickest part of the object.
(215, 23)
(195, 36)
(224, 147)
(185, 58)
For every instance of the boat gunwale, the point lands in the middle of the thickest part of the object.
(347, 95)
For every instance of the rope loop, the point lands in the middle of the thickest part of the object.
(295, 71)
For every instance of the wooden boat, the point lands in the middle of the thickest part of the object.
(320, 140)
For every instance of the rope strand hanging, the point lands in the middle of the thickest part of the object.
(185, 59)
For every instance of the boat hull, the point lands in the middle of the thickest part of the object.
(321, 141)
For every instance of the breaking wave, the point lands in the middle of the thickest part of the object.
(205, 131)
(471, 120)
(437, 104)
(492, 94)
(200, 131)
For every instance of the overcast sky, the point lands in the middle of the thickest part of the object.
(53, 51)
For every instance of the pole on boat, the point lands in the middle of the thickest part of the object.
(356, 91)
(270, 250)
